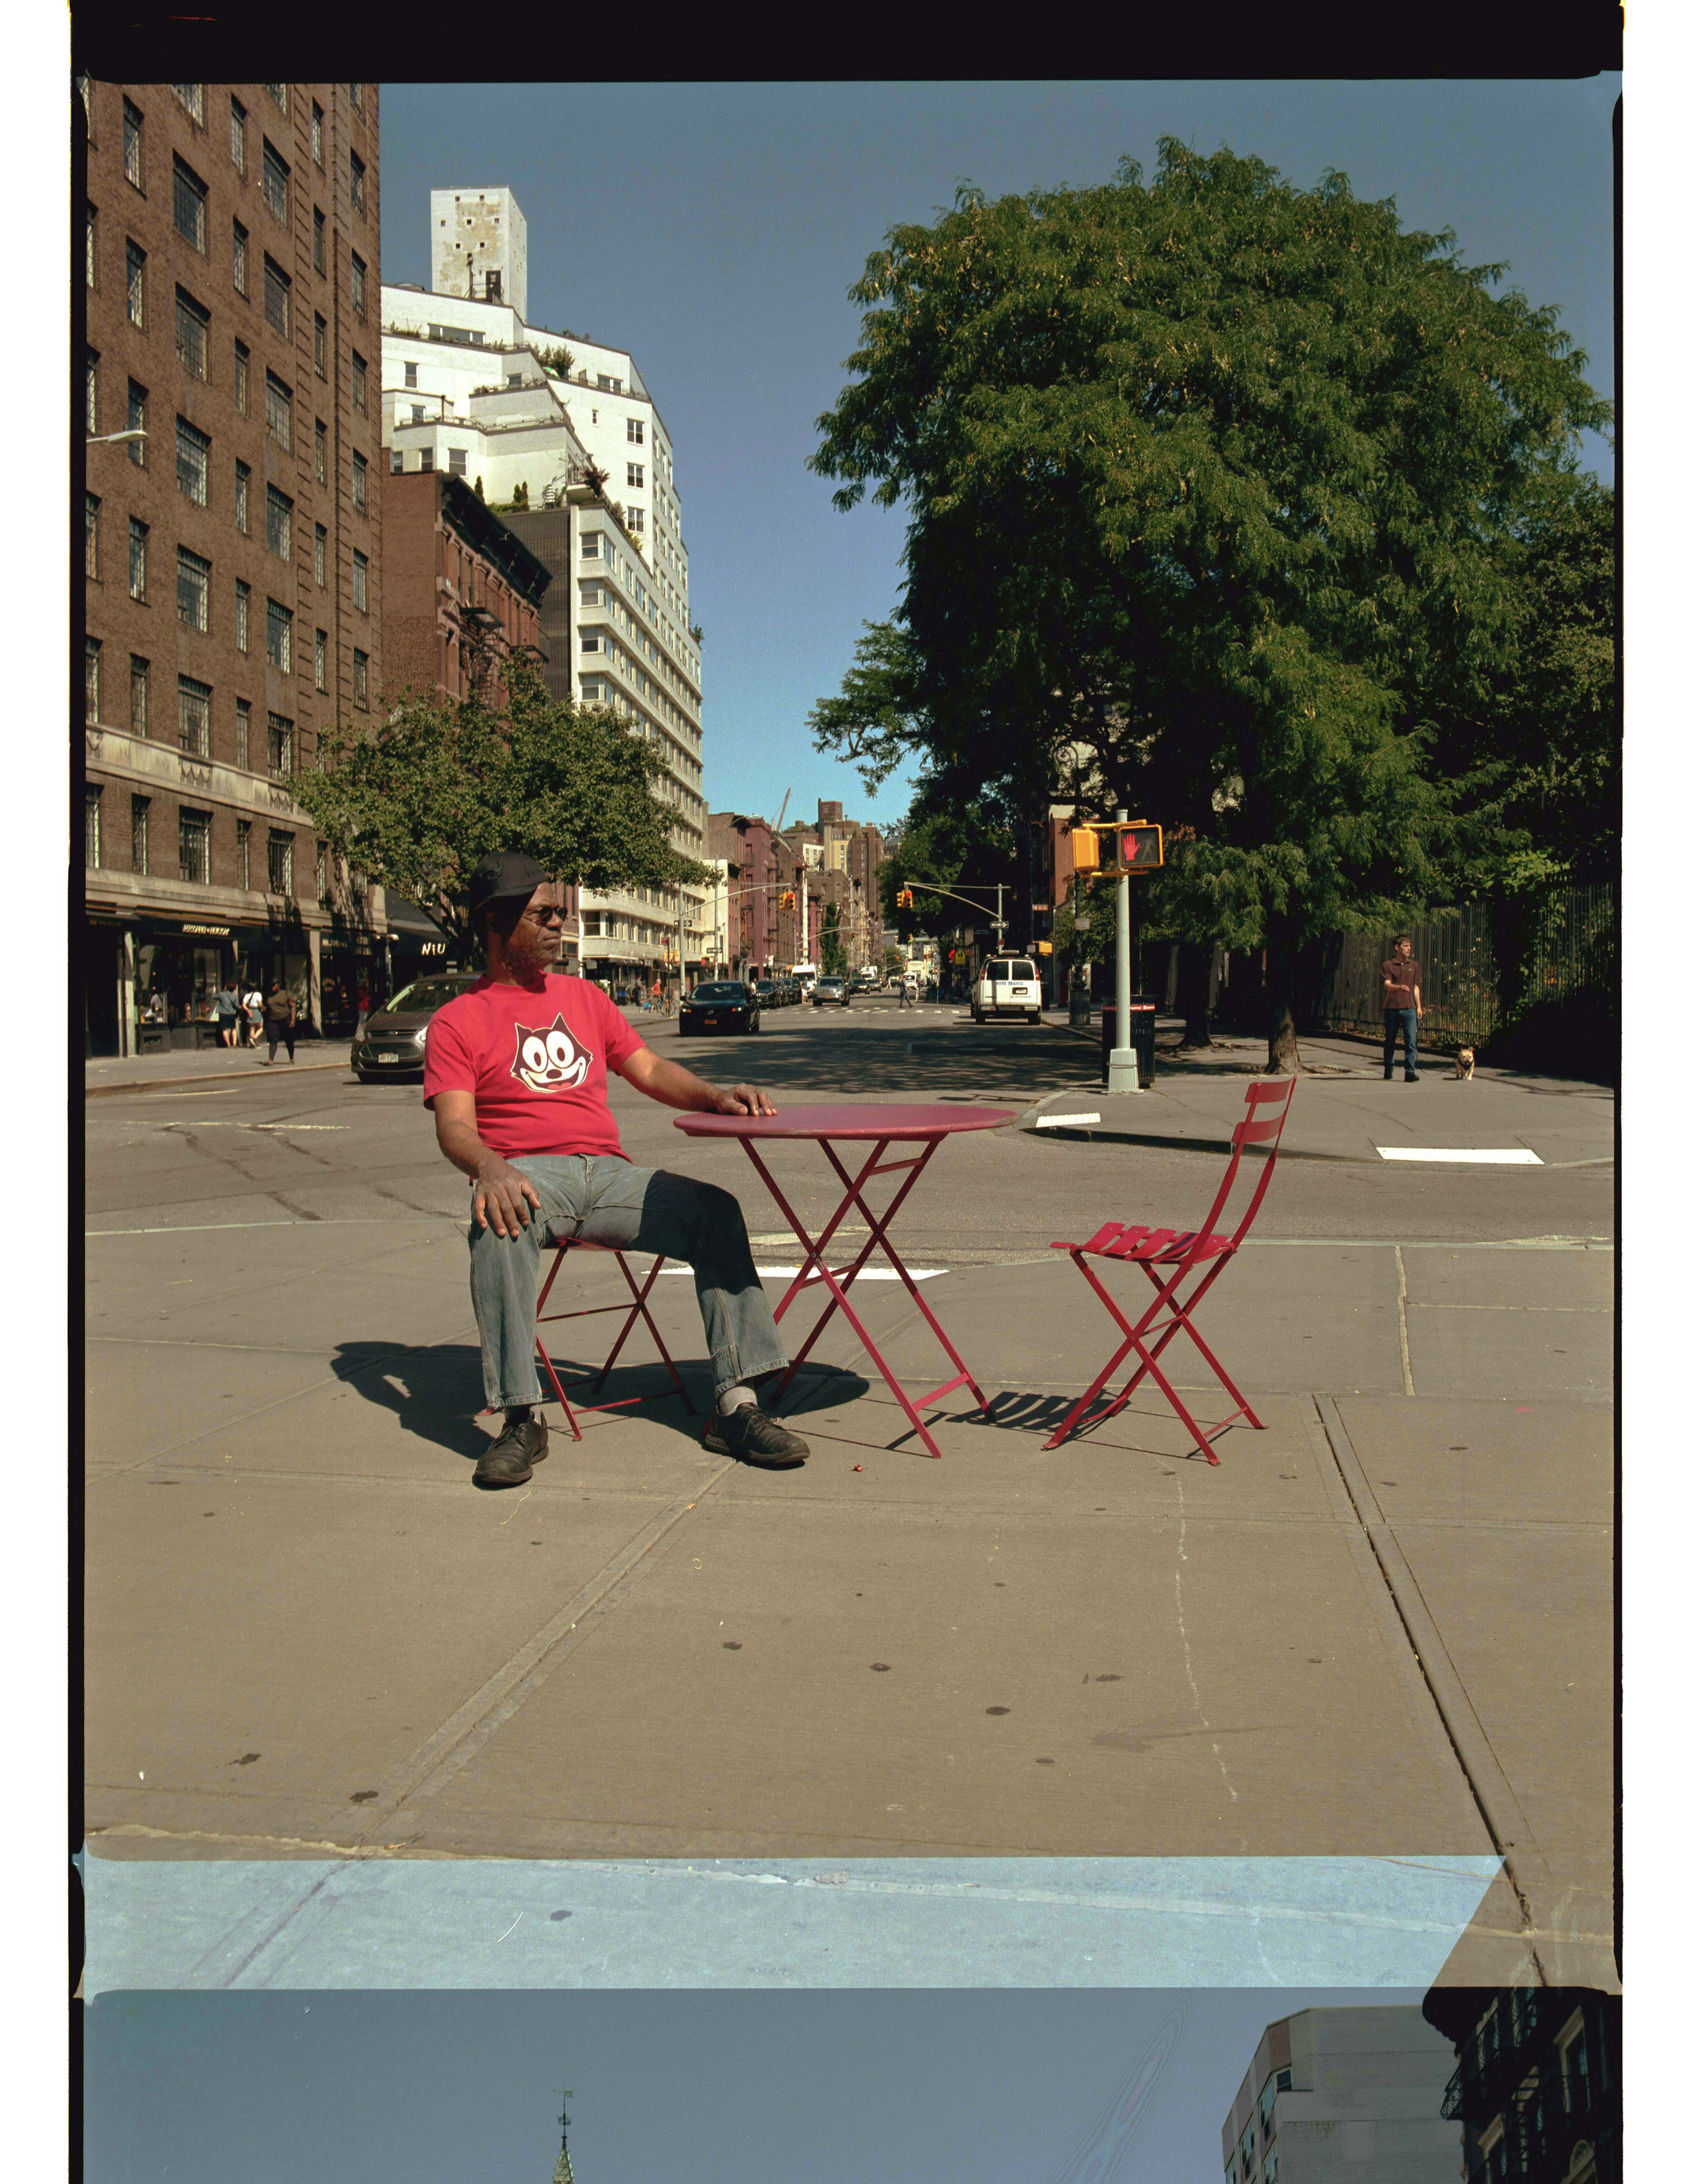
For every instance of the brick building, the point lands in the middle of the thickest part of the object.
(233, 556)
(833, 864)
(462, 595)
(747, 905)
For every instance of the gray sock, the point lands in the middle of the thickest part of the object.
(734, 1398)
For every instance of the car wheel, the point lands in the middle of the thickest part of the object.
(1034, 1015)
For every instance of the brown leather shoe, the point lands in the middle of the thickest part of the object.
(509, 1459)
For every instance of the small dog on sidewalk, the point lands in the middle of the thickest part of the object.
(1465, 1064)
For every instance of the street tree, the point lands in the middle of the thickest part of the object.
(1208, 483)
(832, 944)
(443, 783)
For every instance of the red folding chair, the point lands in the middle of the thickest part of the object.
(1167, 1258)
(638, 1307)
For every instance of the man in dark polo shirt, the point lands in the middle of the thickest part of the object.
(516, 1077)
(1401, 1006)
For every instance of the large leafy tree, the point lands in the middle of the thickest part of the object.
(1210, 481)
(442, 783)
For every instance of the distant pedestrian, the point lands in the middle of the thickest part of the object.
(905, 994)
(1401, 1006)
(226, 1010)
(280, 1022)
(253, 1013)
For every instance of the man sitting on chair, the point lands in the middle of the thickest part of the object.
(516, 1077)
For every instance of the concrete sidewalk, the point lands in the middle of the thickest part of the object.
(1380, 1627)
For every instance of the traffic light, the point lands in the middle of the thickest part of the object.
(1132, 846)
(787, 900)
(1083, 847)
(905, 898)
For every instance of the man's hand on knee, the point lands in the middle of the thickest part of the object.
(500, 1192)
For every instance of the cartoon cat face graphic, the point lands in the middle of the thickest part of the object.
(548, 1060)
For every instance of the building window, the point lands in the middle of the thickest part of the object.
(244, 837)
(318, 134)
(243, 597)
(132, 145)
(194, 582)
(279, 628)
(189, 205)
(138, 834)
(192, 323)
(91, 391)
(320, 650)
(244, 479)
(634, 473)
(135, 283)
(634, 433)
(319, 450)
(189, 95)
(90, 679)
(279, 528)
(317, 240)
(319, 333)
(457, 462)
(279, 95)
(359, 481)
(138, 559)
(357, 95)
(634, 521)
(241, 383)
(278, 285)
(274, 180)
(91, 537)
(319, 555)
(194, 452)
(280, 411)
(321, 876)
(410, 375)
(244, 721)
(239, 256)
(359, 384)
(279, 744)
(360, 582)
(357, 283)
(194, 716)
(238, 136)
(280, 863)
(91, 264)
(138, 695)
(195, 846)
(360, 667)
(90, 825)
(357, 181)
(590, 546)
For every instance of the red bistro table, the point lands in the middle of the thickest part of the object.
(878, 1126)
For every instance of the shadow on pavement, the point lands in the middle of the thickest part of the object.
(932, 1055)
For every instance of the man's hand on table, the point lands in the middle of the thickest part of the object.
(742, 1099)
(502, 1193)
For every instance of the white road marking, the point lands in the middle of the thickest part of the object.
(1496, 1157)
(1065, 1122)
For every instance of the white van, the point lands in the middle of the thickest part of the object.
(1008, 986)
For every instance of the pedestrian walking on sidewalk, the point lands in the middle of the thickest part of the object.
(1401, 1006)
(254, 1015)
(280, 1022)
(226, 1010)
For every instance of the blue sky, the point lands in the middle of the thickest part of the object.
(977, 2087)
(714, 230)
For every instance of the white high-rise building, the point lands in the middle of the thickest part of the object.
(563, 424)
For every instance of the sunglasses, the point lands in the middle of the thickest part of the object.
(550, 912)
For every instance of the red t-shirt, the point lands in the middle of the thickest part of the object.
(535, 1058)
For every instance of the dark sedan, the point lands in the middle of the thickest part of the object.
(391, 1042)
(721, 1008)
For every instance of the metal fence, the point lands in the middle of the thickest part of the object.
(1561, 950)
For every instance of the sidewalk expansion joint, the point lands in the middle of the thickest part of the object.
(1508, 1826)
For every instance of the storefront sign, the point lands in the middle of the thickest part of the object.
(223, 931)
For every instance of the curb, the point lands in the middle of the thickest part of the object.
(163, 1083)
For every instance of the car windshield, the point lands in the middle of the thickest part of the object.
(720, 992)
(765, 986)
(426, 993)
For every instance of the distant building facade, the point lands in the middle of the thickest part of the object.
(1344, 2096)
(1538, 2086)
(233, 551)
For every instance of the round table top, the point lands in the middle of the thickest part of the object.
(843, 1119)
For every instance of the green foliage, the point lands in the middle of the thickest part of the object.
(441, 784)
(523, 495)
(1210, 484)
(891, 963)
(960, 833)
(478, 485)
(832, 944)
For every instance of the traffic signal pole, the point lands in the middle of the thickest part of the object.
(1124, 1064)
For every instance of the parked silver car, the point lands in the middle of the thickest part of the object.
(391, 1042)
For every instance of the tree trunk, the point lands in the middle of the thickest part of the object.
(1192, 992)
(1281, 964)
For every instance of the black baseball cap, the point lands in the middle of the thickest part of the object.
(501, 875)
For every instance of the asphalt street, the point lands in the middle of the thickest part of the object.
(1381, 1626)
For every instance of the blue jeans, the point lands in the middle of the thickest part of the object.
(1398, 1020)
(602, 1199)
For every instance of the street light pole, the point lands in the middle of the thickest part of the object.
(1125, 1066)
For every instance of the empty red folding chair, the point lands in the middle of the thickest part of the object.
(1168, 1256)
(638, 1307)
